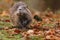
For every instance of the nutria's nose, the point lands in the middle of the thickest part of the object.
(20, 9)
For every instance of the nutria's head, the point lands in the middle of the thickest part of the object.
(20, 8)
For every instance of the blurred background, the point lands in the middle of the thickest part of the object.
(39, 5)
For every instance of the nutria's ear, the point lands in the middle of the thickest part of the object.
(14, 8)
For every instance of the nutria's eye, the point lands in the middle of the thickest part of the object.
(24, 7)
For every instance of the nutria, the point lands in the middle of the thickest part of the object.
(21, 16)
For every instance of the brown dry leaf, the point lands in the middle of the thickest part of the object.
(5, 13)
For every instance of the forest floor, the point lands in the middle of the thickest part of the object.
(47, 29)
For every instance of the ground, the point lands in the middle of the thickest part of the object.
(48, 28)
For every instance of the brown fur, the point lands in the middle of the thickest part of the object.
(15, 13)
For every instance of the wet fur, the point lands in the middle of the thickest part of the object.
(19, 17)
